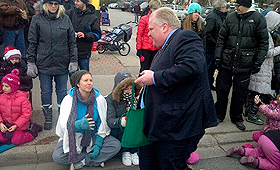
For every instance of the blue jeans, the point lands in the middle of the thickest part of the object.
(84, 63)
(46, 84)
(15, 39)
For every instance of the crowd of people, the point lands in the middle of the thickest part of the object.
(52, 39)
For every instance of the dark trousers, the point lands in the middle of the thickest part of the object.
(149, 55)
(240, 83)
(210, 67)
(168, 155)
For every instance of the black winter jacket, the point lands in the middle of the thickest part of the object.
(243, 42)
(214, 22)
(25, 81)
(86, 22)
(52, 44)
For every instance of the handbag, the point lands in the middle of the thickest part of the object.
(133, 135)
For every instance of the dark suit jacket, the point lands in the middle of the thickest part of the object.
(180, 105)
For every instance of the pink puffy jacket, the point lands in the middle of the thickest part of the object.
(143, 40)
(272, 112)
(16, 109)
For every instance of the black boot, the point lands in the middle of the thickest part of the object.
(48, 117)
(253, 117)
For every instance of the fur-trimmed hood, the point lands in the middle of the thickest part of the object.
(118, 90)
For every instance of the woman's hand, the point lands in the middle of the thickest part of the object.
(86, 123)
(12, 128)
(3, 128)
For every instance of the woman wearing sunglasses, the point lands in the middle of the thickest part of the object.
(51, 54)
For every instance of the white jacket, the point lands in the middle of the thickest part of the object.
(61, 127)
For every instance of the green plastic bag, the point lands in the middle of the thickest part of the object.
(133, 135)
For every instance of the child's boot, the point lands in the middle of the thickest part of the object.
(48, 117)
(35, 128)
(236, 151)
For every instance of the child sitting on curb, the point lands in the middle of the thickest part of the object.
(15, 112)
(267, 153)
(12, 60)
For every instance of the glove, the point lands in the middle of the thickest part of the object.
(95, 150)
(123, 121)
(218, 64)
(139, 53)
(73, 66)
(82, 124)
(32, 70)
(255, 69)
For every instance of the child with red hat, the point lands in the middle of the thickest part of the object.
(15, 112)
(12, 60)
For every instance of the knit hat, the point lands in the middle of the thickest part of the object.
(246, 3)
(12, 80)
(121, 76)
(45, 1)
(11, 52)
(76, 77)
(194, 7)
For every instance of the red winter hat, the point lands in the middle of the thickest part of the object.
(11, 52)
(12, 80)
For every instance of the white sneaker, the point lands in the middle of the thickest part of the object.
(135, 159)
(126, 158)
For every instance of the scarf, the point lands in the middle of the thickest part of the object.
(127, 97)
(89, 102)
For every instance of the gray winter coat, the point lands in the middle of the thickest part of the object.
(261, 81)
(52, 43)
(115, 106)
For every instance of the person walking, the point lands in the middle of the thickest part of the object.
(241, 48)
(13, 17)
(82, 129)
(87, 28)
(136, 10)
(51, 54)
(179, 104)
(214, 22)
(144, 43)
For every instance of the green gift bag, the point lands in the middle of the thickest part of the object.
(133, 135)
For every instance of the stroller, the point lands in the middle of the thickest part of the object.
(116, 40)
(105, 18)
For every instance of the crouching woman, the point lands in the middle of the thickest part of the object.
(82, 129)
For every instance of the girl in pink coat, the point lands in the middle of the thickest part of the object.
(267, 153)
(15, 112)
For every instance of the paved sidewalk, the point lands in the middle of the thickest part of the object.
(104, 67)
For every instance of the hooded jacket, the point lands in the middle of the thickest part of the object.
(61, 127)
(243, 42)
(86, 22)
(52, 44)
(261, 81)
(16, 109)
(115, 106)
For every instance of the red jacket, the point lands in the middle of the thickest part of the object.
(143, 40)
(16, 109)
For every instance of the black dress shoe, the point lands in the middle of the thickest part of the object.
(240, 125)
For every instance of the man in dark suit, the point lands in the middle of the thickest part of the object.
(179, 104)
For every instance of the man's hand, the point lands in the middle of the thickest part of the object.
(23, 14)
(146, 77)
(3, 128)
(80, 35)
(12, 128)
